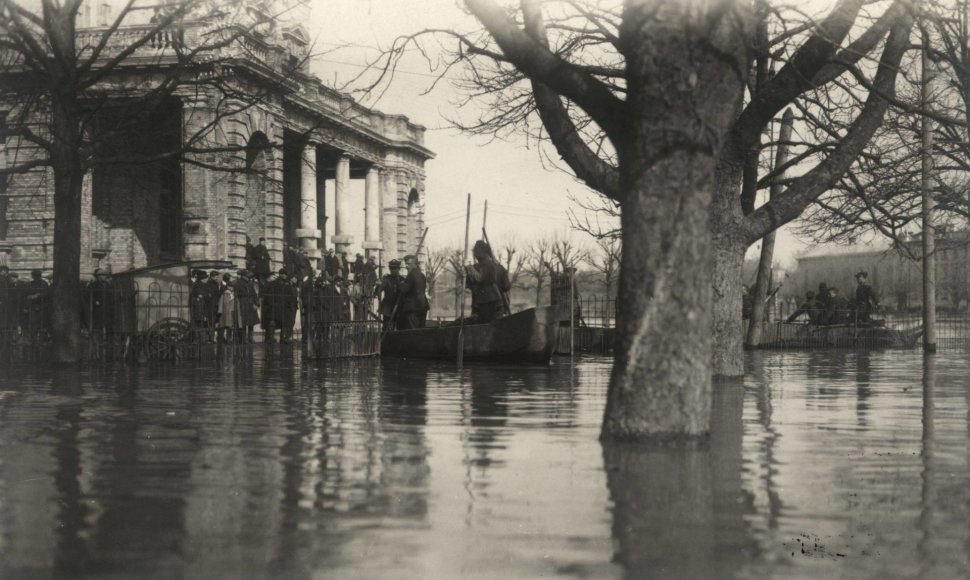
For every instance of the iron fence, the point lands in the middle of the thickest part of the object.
(173, 321)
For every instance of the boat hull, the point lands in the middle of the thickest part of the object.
(524, 337)
(800, 335)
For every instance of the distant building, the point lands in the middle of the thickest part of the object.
(135, 216)
(895, 274)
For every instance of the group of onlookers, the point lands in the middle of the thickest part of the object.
(25, 305)
(828, 306)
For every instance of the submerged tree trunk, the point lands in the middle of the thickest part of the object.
(68, 176)
(726, 262)
(661, 382)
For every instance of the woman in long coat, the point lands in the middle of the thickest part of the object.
(229, 320)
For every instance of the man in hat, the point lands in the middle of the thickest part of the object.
(809, 307)
(246, 304)
(838, 310)
(483, 279)
(101, 305)
(865, 298)
(390, 295)
(330, 263)
(414, 302)
(36, 311)
(261, 261)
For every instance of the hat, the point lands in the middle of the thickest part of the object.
(394, 264)
(213, 273)
(242, 272)
(36, 273)
(370, 258)
(410, 257)
(822, 286)
(282, 272)
(198, 274)
(862, 274)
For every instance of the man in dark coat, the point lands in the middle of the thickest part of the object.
(390, 294)
(865, 298)
(212, 303)
(246, 297)
(279, 307)
(330, 264)
(101, 301)
(809, 307)
(199, 302)
(483, 280)
(838, 308)
(37, 307)
(8, 306)
(414, 302)
(261, 260)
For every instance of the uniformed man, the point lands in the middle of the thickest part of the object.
(390, 290)
(865, 297)
(414, 301)
(838, 308)
(483, 280)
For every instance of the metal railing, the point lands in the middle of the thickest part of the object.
(168, 321)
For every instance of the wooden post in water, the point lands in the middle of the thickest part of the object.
(464, 258)
(929, 208)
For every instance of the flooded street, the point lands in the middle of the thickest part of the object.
(821, 464)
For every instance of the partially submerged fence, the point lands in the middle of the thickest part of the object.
(168, 320)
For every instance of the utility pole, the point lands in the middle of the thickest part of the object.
(929, 206)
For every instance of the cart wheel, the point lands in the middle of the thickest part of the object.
(166, 338)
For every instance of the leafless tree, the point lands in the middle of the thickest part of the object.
(537, 265)
(661, 106)
(606, 261)
(434, 267)
(73, 95)
(513, 261)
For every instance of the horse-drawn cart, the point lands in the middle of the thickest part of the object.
(152, 307)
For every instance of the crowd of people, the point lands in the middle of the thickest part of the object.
(228, 306)
(828, 306)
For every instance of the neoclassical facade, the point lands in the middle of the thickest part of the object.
(275, 162)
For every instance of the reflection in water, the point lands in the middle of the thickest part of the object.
(819, 464)
(679, 512)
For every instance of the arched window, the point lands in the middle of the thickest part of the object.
(414, 201)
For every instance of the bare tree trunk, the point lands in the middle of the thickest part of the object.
(661, 381)
(768, 242)
(727, 259)
(68, 175)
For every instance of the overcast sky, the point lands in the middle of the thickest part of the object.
(525, 199)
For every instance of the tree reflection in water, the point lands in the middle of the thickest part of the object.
(679, 512)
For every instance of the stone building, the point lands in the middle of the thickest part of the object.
(298, 145)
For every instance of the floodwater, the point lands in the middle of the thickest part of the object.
(821, 464)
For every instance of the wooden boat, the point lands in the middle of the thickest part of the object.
(528, 336)
(803, 335)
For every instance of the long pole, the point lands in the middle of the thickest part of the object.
(464, 258)
(929, 209)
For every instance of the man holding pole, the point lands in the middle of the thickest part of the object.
(483, 278)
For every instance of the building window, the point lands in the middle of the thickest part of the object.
(104, 12)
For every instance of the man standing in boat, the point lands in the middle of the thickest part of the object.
(390, 295)
(483, 279)
(414, 302)
(865, 298)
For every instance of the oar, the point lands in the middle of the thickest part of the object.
(461, 323)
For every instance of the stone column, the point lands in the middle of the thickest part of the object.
(341, 203)
(308, 233)
(372, 211)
